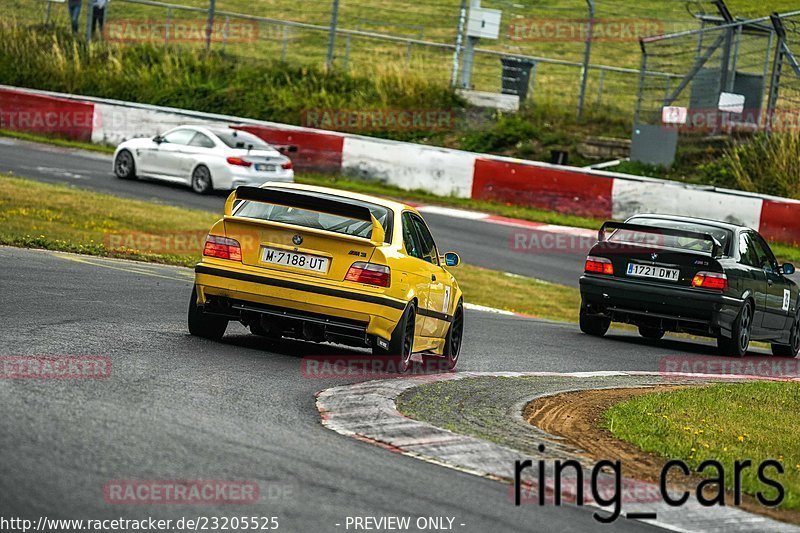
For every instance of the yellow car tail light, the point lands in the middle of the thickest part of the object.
(222, 248)
(369, 273)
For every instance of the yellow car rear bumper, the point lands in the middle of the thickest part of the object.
(379, 313)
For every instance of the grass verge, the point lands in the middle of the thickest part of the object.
(725, 422)
(56, 217)
(519, 293)
(57, 141)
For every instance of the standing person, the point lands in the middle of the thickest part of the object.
(74, 7)
(98, 15)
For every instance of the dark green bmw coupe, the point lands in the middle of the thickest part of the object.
(670, 273)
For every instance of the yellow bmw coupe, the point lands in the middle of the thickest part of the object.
(327, 265)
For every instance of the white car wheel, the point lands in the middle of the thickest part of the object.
(201, 180)
(124, 166)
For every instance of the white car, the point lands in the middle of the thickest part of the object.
(203, 157)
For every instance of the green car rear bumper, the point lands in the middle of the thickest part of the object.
(670, 308)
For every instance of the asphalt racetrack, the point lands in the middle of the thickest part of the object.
(180, 407)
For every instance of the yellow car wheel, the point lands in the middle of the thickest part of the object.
(203, 325)
(402, 343)
(455, 336)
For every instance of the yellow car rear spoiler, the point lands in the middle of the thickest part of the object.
(299, 200)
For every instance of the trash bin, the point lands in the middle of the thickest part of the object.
(516, 76)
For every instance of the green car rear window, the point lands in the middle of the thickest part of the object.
(723, 235)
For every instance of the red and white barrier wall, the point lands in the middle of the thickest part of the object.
(411, 166)
(22, 111)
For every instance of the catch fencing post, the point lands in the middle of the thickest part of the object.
(736, 46)
(225, 29)
(726, 76)
(777, 66)
(332, 33)
(766, 63)
(285, 42)
(347, 52)
(462, 20)
(642, 76)
(587, 54)
(600, 86)
(166, 28)
(532, 83)
(210, 24)
(469, 52)
(89, 17)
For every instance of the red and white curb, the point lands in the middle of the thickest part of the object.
(367, 411)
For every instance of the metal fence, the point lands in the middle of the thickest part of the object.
(582, 53)
(784, 89)
(729, 75)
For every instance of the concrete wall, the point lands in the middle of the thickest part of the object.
(410, 166)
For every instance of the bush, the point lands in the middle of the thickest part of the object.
(767, 164)
(508, 132)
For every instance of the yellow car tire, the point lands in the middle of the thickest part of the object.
(203, 325)
(455, 338)
(402, 343)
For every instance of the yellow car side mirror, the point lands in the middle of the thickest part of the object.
(452, 259)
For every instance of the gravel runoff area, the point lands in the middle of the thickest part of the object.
(478, 427)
